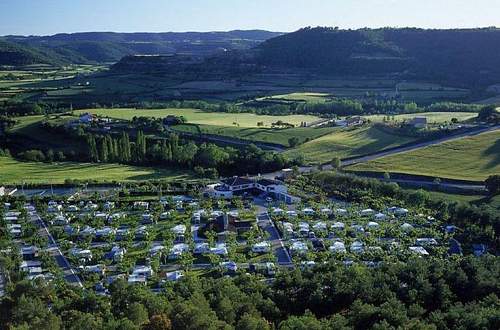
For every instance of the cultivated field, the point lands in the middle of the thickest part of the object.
(196, 116)
(15, 172)
(348, 143)
(472, 158)
(432, 117)
(35, 80)
(269, 135)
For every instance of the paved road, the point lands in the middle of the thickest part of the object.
(281, 253)
(69, 273)
(265, 223)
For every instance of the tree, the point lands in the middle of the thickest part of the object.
(103, 151)
(137, 313)
(159, 322)
(60, 156)
(140, 147)
(492, 183)
(489, 114)
(336, 163)
(92, 148)
(124, 148)
(50, 155)
(32, 155)
(293, 141)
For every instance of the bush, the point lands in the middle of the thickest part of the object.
(32, 155)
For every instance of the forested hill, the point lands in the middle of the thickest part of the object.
(435, 54)
(100, 47)
(17, 54)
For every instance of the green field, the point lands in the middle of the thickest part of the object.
(432, 117)
(473, 158)
(348, 143)
(33, 80)
(306, 97)
(15, 172)
(269, 135)
(201, 117)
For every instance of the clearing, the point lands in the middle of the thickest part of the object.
(15, 172)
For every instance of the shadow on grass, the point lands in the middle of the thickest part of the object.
(493, 151)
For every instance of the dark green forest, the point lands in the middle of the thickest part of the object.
(418, 294)
(460, 56)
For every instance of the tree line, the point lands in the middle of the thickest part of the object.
(175, 152)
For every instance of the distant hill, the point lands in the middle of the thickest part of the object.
(17, 54)
(460, 55)
(467, 57)
(101, 47)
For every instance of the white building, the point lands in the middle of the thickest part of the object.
(229, 187)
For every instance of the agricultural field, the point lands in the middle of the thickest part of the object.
(472, 158)
(306, 97)
(196, 116)
(322, 90)
(14, 172)
(266, 135)
(32, 80)
(432, 117)
(348, 143)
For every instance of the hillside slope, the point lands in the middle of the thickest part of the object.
(452, 55)
(16, 54)
(472, 158)
(103, 47)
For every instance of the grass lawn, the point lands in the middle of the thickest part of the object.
(279, 136)
(432, 117)
(15, 172)
(196, 116)
(348, 143)
(473, 158)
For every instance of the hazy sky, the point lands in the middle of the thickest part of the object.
(42, 17)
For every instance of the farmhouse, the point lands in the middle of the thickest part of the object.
(234, 186)
(86, 118)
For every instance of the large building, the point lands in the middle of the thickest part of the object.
(237, 186)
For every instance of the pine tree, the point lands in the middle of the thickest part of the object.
(104, 151)
(140, 147)
(124, 148)
(116, 151)
(94, 157)
(111, 151)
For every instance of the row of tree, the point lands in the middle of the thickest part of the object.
(172, 151)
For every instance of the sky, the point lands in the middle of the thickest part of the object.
(45, 17)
